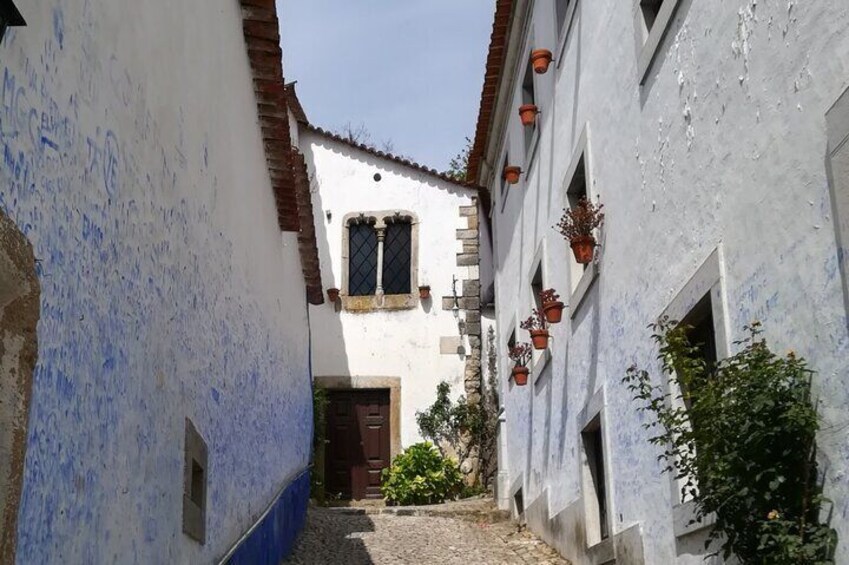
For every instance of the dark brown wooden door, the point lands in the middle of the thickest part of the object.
(358, 443)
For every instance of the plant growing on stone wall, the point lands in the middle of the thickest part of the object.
(461, 429)
(741, 436)
(578, 226)
(537, 326)
(421, 475)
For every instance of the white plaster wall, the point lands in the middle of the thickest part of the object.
(725, 145)
(134, 163)
(402, 343)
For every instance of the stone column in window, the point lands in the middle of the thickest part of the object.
(381, 236)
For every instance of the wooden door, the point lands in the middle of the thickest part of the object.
(358, 443)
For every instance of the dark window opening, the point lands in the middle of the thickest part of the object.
(650, 9)
(396, 258)
(195, 478)
(561, 7)
(505, 186)
(578, 189)
(594, 448)
(519, 502)
(9, 17)
(537, 287)
(196, 490)
(362, 268)
(529, 97)
(701, 334)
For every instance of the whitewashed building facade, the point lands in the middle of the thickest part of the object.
(387, 227)
(714, 133)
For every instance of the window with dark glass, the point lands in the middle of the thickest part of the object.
(561, 6)
(362, 269)
(594, 450)
(396, 258)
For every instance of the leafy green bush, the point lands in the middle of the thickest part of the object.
(421, 475)
(320, 402)
(741, 436)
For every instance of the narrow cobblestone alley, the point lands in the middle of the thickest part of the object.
(336, 535)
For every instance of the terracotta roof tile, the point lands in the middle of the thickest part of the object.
(288, 181)
(494, 67)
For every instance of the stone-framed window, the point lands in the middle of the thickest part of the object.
(195, 477)
(578, 183)
(9, 17)
(596, 471)
(700, 304)
(380, 260)
(651, 20)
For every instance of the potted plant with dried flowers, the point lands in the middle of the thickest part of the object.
(551, 306)
(528, 114)
(333, 294)
(538, 328)
(578, 225)
(511, 174)
(540, 60)
(521, 354)
(424, 292)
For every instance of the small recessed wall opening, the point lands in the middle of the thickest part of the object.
(595, 483)
(519, 504)
(195, 478)
(650, 10)
(575, 192)
(529, 97)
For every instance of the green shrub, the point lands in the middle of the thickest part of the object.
(421, 475)
(744, 443)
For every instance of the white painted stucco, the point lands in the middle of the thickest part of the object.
(134, 164)
(404, 343)
(723, 147)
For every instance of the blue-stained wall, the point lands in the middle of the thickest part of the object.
(132, 160)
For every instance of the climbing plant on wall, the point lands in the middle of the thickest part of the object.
(741, 437)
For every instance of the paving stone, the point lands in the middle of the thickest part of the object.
(382, 536)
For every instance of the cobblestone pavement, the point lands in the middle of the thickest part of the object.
(338, 536)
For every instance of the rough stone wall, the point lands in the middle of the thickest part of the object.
(470, 304)
(19, 313)
(133, 163)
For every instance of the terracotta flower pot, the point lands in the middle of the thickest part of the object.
(584, 249)
(528, 114)
(511, 174)
(540, 59)
(553, 312)
(520, 375)
(424, 292)
(333, 294)
(539, 338)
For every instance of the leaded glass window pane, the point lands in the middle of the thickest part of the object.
(362, 267)
(396, 258)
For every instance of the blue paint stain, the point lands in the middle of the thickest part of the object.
(215, 395)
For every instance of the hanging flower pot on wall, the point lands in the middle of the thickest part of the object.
(333, 294)
(578, 226)
(584, 249)
(540, 339)
(528, 114)
(424, 292)
(520, 375)
(511, 174)
(551, 306)
(541, 59)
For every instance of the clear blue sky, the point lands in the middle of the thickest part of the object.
(411, 71)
